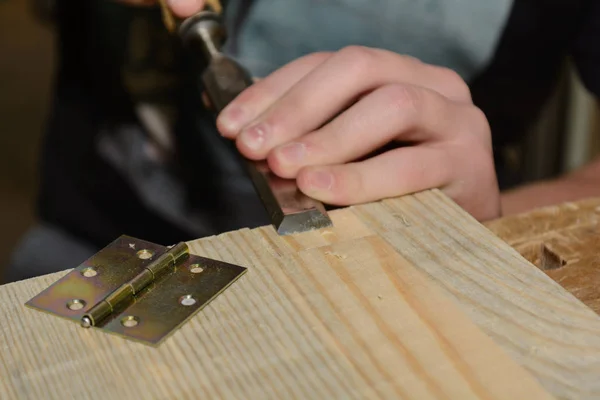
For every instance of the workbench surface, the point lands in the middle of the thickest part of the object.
(404, 298)
(563, 241)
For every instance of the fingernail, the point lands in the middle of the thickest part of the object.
(321, 180)
(254, 138)
(231, 119)
(293, 153)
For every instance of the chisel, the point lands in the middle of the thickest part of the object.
(290, 210)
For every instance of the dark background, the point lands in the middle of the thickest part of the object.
(26, 66)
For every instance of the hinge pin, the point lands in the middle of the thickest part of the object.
(125, 293)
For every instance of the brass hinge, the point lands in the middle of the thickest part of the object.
(137, 289)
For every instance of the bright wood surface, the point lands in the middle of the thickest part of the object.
(541, 325)
(406, 298)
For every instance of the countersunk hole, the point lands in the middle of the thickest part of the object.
(196, 268)
(130, 321)
(89, 272)
(187, 300)
(145, 254)
(550, 260)
(75, 304)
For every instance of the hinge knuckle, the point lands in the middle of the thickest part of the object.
(141, 281)
(98, 312)
(169, 260)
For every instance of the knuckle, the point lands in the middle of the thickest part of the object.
(403, 98)
(473, 182)
(456, 84)
(355, 51)
(320, 55)
(408, 59)
(359, 58)
(473, 127)
(316, 58)
(480, 125)
(480, 118)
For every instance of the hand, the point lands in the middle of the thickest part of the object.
(314, 118)
(181, 8)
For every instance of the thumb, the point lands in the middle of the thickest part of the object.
(185, 8)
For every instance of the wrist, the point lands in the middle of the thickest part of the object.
(547, 193)
(531, 196)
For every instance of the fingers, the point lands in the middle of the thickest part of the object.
(398, 111)
(185, 8)
(407, 170)
(258, 97)
(330, 88)
(315, 116)
(464, 171)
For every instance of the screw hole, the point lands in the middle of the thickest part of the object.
(196, 268)
(187, 300)
(75, 304)
(130, 321)
(89, 272)
(145, 254)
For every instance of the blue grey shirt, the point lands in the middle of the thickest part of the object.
(459, 34)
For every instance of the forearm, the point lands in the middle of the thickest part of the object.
(580, 184)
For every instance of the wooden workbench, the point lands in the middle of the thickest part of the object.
(563, 241)
(405, 298)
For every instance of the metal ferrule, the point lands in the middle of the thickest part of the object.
(204, 32)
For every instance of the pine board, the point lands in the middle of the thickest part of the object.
(405, 298)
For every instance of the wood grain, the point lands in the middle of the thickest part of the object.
(406, 298)
(541, 325)
(563, 241)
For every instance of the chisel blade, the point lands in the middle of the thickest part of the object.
(290, 210)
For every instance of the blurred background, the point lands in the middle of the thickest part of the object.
(26, 67)
(567, 135)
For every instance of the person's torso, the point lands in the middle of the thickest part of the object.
(130, 61)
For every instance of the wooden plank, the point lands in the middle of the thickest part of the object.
(542, 326)
(351, 320)
(349, 312)
(563, 241)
